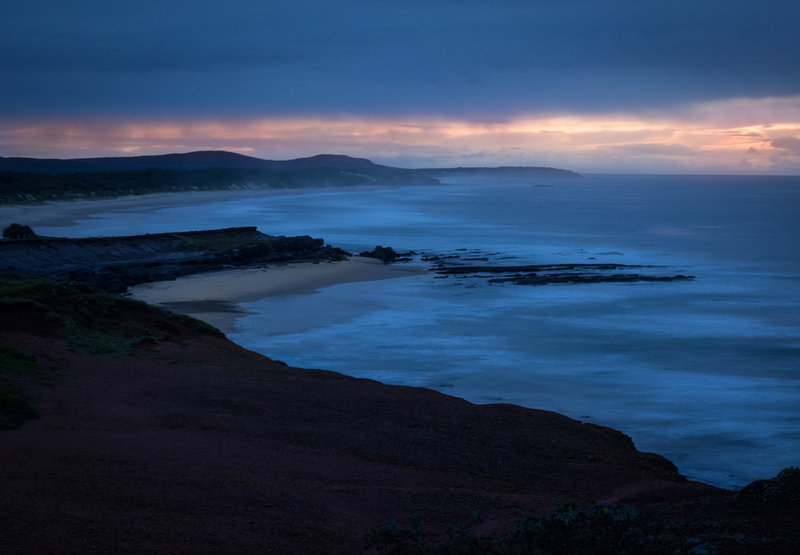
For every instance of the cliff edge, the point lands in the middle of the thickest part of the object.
(156, 434)
(115, 263)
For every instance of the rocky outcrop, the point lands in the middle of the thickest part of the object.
(387, 254)
(384, 254)
(782, 489)
(115, 263)
(544, 274)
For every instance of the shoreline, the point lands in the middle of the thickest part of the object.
(216, 297)
(377, 452)
(64, 213)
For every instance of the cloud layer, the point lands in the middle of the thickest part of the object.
(695, 139)
(462, 58)
(494, 66)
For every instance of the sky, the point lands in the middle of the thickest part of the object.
(633, 86)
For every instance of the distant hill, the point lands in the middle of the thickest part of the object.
(502, 171)
(37, 180)
(187, 161)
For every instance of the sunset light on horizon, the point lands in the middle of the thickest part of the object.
(746, 136)
(653, 87)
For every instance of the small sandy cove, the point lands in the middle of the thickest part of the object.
(213, 297)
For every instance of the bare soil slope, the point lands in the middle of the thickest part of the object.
(183, 442)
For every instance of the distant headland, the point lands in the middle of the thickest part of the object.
(26, 180)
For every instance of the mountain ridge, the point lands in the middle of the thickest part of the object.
(201, 159)
(26, 180)
(206, 159)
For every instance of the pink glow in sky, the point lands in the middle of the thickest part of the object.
(684, 86)
(733, 136)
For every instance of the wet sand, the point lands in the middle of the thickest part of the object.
(214, 297)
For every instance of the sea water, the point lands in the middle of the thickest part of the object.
(704, 372)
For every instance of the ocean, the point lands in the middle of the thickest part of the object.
(705, 372)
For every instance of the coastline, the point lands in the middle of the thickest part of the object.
(723, 456)
(301, 460)
(382, 452)
(63, 213)
(215, 297)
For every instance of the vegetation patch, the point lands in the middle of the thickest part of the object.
(14, 408)
(604, 528)
(91, 319)
(221, 240)
(789, 471)
(18, 232)
(31, 187)
(14, 361)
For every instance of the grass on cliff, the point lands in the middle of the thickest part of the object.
(600, 529)
(694, 526)
(92, 320)
(14, 407)
(220, 240)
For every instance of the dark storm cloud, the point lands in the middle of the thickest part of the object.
(469, 58)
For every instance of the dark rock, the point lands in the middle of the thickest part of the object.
(385, 254)
(544, 274)
(115, 263)
(784, 488)
(437, 258)
(530, 268)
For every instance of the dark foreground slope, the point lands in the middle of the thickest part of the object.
(158, 435)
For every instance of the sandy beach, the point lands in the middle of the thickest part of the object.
(214, 297)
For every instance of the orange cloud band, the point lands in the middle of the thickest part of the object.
(731, 136)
